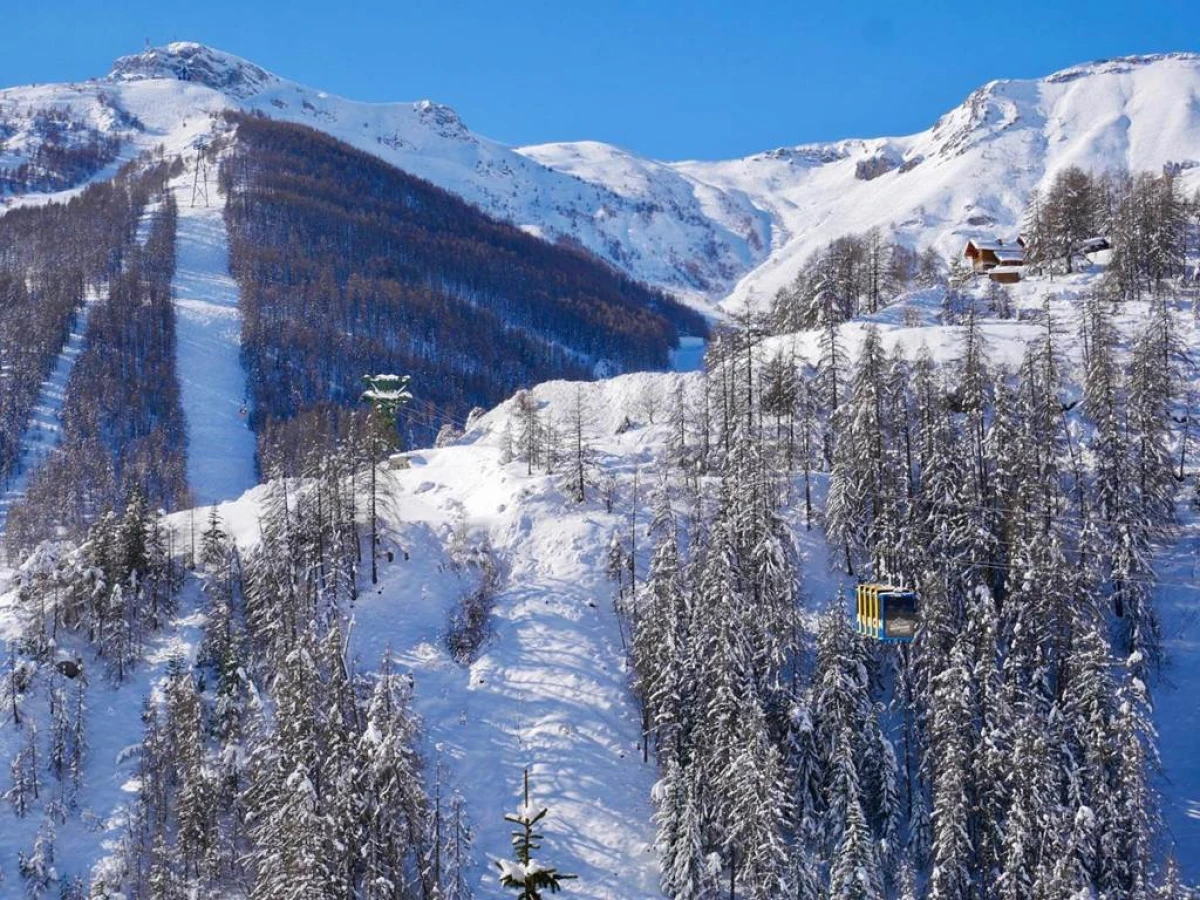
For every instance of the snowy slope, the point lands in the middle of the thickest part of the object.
(44, 430)
(735, 229)
(208, 335)
(971, 173)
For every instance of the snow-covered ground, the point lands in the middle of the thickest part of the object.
(1177, 711)
(550, 689)
(44, 430)
(114, 729)
(208, 325)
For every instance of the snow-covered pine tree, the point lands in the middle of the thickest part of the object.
(457, 842)
(989, 762)
(954, 853)
(530, 439)
(1127, 866)
(395, 815)
(854, 872)
(756, 809)
(288, 822)
(25, 774)
(525, 874)
(37, 866)
(832, 363)
(860, 500)
(579, 449)
(680, 835)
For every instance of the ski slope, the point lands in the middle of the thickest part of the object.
(208, 326)
(44, 430)
(550, 689)
(549, 692)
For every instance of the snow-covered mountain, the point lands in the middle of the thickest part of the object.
(971, 173)
(692, 240)
(710, 231)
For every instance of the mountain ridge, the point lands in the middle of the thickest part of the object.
(716, 233)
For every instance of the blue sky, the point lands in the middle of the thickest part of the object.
(666, 78)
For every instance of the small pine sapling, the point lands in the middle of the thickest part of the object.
(526, 874)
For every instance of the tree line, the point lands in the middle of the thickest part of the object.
(347, 265)
(1146, 218)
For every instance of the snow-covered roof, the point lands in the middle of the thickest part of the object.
(994, 244)
(1005, 270)
(1011, 255)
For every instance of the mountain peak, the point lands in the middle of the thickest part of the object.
(1118, 65)
(191, 61)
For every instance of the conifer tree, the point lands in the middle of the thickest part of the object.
(854, 872)
(526, 875)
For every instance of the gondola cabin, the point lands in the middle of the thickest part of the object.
(887, 613)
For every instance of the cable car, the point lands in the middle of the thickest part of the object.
(887, 613)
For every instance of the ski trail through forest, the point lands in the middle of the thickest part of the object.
(1176, 708)
(549, 690)
(208, 324)
(44, 430)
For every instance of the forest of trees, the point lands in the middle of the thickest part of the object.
(48, 256)
(122, 423)
(270, 767)
(852, 275)
(1146, 218)
(1008, 752)
(349, 266)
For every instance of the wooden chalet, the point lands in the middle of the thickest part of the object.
(986, 255)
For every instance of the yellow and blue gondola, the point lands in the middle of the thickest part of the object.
(886, 613)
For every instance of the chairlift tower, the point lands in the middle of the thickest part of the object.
(200, 174)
